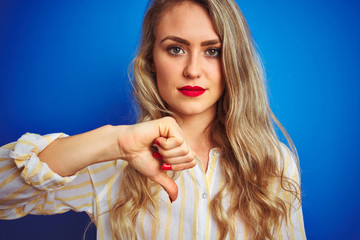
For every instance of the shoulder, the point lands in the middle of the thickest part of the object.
(289, 163)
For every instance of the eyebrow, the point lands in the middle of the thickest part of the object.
(183, 41)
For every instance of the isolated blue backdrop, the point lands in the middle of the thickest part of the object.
(63, 68)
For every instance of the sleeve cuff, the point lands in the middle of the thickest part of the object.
(37, 173)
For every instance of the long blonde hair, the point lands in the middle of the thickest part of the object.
(243, 130)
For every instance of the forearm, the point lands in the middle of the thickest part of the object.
(66, 156)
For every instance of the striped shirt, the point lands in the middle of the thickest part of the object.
(28, 186)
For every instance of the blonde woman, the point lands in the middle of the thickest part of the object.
(203, 162)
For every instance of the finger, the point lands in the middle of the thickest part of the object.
(171, 142)
(179, 152)
(168, 184)
(157, 155)
(179, 160)
(183, 166)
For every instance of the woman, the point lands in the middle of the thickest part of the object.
(204, 116)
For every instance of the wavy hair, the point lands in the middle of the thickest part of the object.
(243, 130)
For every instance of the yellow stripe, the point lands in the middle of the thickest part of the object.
(28, 143)
(19, 212)
(222, 183)
(301, 223)
(104, 181)
(99, 220)
(9, 146)
(182, 206)
(60, 183)
(285, 196)
(67, 207)
(77, 186)
(168, 221)
(103, 167)
(9, 179)
(48, 138)
(287, 161)
(154, 224)
(6, 168)
(279, 188)
(211, 170)
(33, 197)
(291, 227)
(77, 197)
(196, 203)
(25, 171)
(36, 170)
(48, 202)
(82, 171)
(22, 157)
(34, 200)
(100, 223)
(108, 197)
(141, 223)
(19, 160)
(40, 209)
(3, 214)
(279, 234)
(14, 194)
(210, 178)
(44, 178)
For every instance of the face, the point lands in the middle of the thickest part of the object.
(187, 61)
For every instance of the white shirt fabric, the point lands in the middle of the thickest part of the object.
(28, 186)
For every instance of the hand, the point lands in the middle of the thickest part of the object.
(135, 147)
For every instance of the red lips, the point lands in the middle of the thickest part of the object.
(192, 91)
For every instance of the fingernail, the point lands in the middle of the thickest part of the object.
(171, 200)
(156, 142)
(166, 166)
(157, 155)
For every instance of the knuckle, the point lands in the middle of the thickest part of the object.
(193, 163)
(191, 156)
(184, 151)
(179, 141)
(170, 120)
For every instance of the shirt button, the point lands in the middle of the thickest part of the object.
(204, 195)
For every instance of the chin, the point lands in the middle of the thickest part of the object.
(194, 111)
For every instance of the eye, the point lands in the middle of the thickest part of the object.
(213, 52)
(175, 50)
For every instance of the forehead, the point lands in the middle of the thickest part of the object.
(187, 20)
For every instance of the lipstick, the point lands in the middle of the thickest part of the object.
(192, 91)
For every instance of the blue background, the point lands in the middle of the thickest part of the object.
(63, 68)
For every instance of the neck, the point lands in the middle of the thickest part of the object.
(197, 132)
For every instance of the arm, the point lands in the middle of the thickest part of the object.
(28, 185)
(66, 156)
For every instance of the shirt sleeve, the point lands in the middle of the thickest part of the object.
(29, 186)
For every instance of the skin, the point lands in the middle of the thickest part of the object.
(192, 63)
(187, 51)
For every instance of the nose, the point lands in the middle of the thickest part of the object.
(192, 69)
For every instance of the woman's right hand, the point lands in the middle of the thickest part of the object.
(135, 141)
(132, 143)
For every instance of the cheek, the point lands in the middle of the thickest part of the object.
(217, 76)
(167, 74)
(164, 84)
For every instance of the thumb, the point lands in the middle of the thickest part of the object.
(168, 184)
